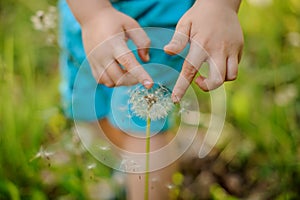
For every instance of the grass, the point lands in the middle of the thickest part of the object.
(263, 108)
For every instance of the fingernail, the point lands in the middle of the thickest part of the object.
(168, 46)
(175, 98)
(147, 57)
(147, 84)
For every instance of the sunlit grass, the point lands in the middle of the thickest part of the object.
(263, 110)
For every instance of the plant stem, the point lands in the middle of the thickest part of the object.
(146, 193)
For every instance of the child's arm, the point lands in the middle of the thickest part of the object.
(213, 29)
(102, 24)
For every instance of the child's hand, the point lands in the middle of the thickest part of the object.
(110, 30)
(213, 29)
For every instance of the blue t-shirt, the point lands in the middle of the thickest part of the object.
(84, 99)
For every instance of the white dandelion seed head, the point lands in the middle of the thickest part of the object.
(45, 20)
(155, 102)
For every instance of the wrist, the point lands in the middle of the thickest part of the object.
(85, 12)
(231, 4)
(92, 19)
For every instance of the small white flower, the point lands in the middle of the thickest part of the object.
(44, 21)
(37, 20)
(155, 102)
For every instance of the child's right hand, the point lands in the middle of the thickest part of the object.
(108, 30)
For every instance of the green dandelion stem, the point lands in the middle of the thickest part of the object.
(146, 194)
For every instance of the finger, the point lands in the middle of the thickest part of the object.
(179, 39)
(190, 67)
(127, 79)
(216, 76)
(232, 68)
(141, 40)
(240, 55)
(120, 76)
(126, 58)
(103, 78)
(99, 72)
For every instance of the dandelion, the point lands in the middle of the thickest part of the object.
(155, 103)
(44, 21)
(150, 104)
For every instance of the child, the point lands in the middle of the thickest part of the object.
(211, 28)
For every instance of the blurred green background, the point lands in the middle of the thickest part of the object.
(41, 158)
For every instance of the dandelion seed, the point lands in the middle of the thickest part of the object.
(129, 165)
(155, 102)
(119, 178)
(91, 166)
(123, 108)
(42, 154)
(105, 148)
(50, 39)
(170, 186)
(128, 116)
(155, 179)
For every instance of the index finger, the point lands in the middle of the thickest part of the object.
(126, 58)
(190, 67)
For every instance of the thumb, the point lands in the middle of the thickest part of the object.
(179, 39)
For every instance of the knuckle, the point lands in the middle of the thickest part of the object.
(120, 82)
(97, 76)
(99, 81)
(223, 47)
(126, 60)
(180, 40)
(189, 72)
(232, 77)
(205, 89)
(204, 86)
(109, 84)
(146, 42)
(106, 81)
(217, 82)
